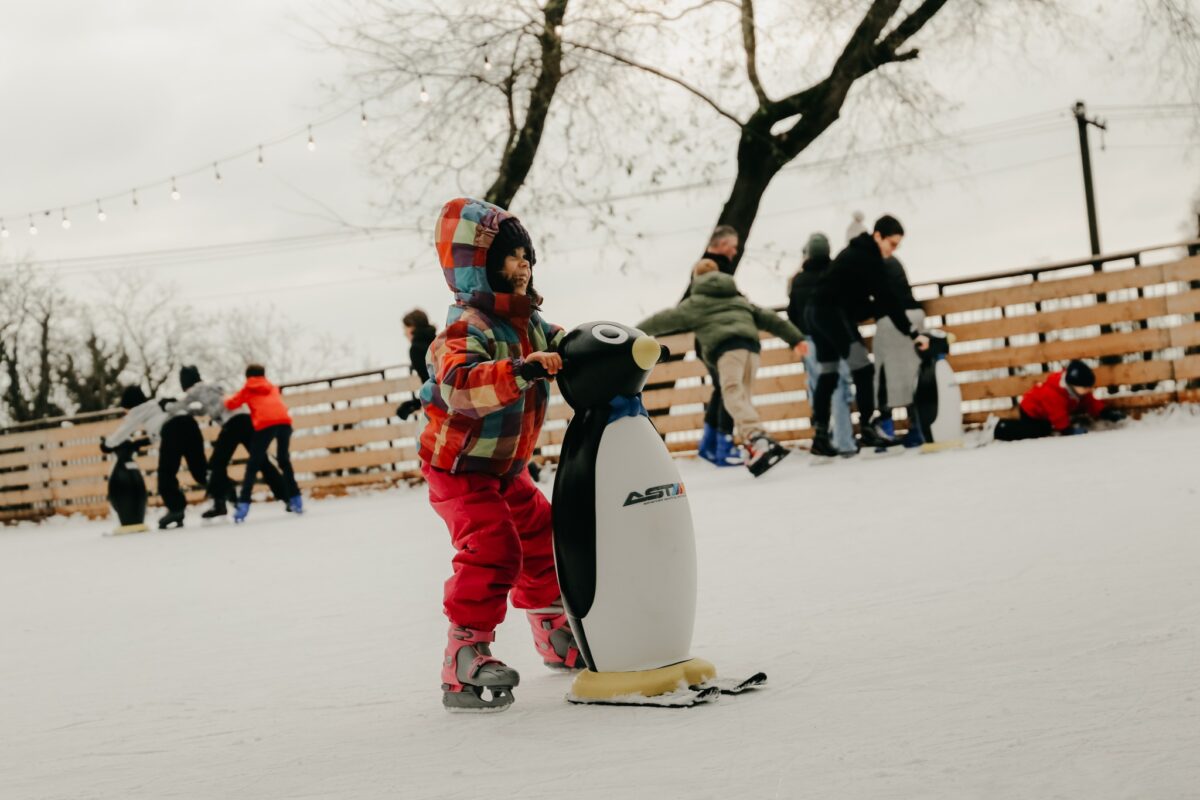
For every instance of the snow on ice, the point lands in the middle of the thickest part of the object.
(1015, 621)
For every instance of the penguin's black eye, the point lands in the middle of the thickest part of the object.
(610, 334)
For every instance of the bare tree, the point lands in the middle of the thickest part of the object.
(874, 38)
(31, 310)
(94, 381)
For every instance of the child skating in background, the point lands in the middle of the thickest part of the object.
(485, 402)
(272, 422)
(727, 327)
(1050, 406)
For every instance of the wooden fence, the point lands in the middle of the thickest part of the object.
(1138, 322)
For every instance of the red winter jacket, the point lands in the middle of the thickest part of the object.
(266, 405)
(1053, 402)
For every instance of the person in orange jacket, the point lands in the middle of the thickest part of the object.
(271, 420)
(1049, 406)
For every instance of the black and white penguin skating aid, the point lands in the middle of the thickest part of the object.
(127, 488)
(938, 398)
(623, 539)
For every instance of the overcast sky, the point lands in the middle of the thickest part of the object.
(99, 98)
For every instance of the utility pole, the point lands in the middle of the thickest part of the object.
(1085, 153)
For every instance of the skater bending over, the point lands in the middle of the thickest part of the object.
(272, 423)
(727, 325)
(845, 293)
(485, 402)
(206, 398)
(179, 440)
(1053, 405)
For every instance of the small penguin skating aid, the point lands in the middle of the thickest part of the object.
(127, 489)
(938, 397)
(623, 540)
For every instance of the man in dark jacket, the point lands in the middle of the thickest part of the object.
(420, 335)
(846, 291)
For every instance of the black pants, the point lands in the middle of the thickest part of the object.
(282, 435)
(237, 430)
(837, 338)
(1013, 430)
(181, 441)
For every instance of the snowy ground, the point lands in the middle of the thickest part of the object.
(1015, 621)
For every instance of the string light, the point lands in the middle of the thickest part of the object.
(3, 230)
(424, 94)
(363, 116)
(66, 223)
(32, 226)
(312, 145)
(135, 200)
(558, 30)
(216, 172)
(100, 215)
(260, 156)
(487, 63)
(174, 189)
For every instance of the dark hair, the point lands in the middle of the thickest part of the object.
(887, 225)
(416, 319)
(256, 371)
(189, 376)
(132, 396)
(721, 232)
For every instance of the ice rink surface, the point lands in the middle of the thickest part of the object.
(1017, 621)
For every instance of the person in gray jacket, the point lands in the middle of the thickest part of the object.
(208, 399)
(179, 439)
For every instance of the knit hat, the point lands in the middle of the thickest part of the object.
(189, 376)
(132, 397)
(1080, 374)
(817, 246)
(510, 235)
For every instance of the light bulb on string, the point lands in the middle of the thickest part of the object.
(174, 190)
(32, 226)
(424, 94)
(100, 215)
(66, 223)
(487, 63)
(216, 173)
(260, 156)
(363, 115)
(312, 143)
(3, 230)
(558, 30)
(135, 200)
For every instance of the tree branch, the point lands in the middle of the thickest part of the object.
(659, 73)
(750, 43)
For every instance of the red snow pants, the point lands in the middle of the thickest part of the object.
(502, 530)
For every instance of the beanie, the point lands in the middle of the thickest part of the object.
(132, 397)
(1080, 374)
(817, 246)
(189, 376)
(510, 235)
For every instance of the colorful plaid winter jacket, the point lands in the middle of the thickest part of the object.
(482, 415)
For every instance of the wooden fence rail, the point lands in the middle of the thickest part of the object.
(1137, 322)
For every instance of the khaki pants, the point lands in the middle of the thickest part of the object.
(736, 369)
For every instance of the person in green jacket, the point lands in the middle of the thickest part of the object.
(727, 325)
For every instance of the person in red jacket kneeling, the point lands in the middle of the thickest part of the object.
(271, 420)
(1049, 406)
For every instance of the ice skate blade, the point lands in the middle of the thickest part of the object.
(140, 527)
(472, 701)
(937, 447)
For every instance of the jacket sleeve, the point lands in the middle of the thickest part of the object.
(1091, 405)
(468, 379)
(1058, 414)
(236, 400)
(554, 333)
(134, 421)
(888, 305)
(769, 321)
(671, 320)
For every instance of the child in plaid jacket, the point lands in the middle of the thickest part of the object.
(485, 402)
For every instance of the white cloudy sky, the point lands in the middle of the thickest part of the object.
(101, 97)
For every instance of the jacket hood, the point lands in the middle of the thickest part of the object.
(715, 284)
(464, 233)
(259, 385)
